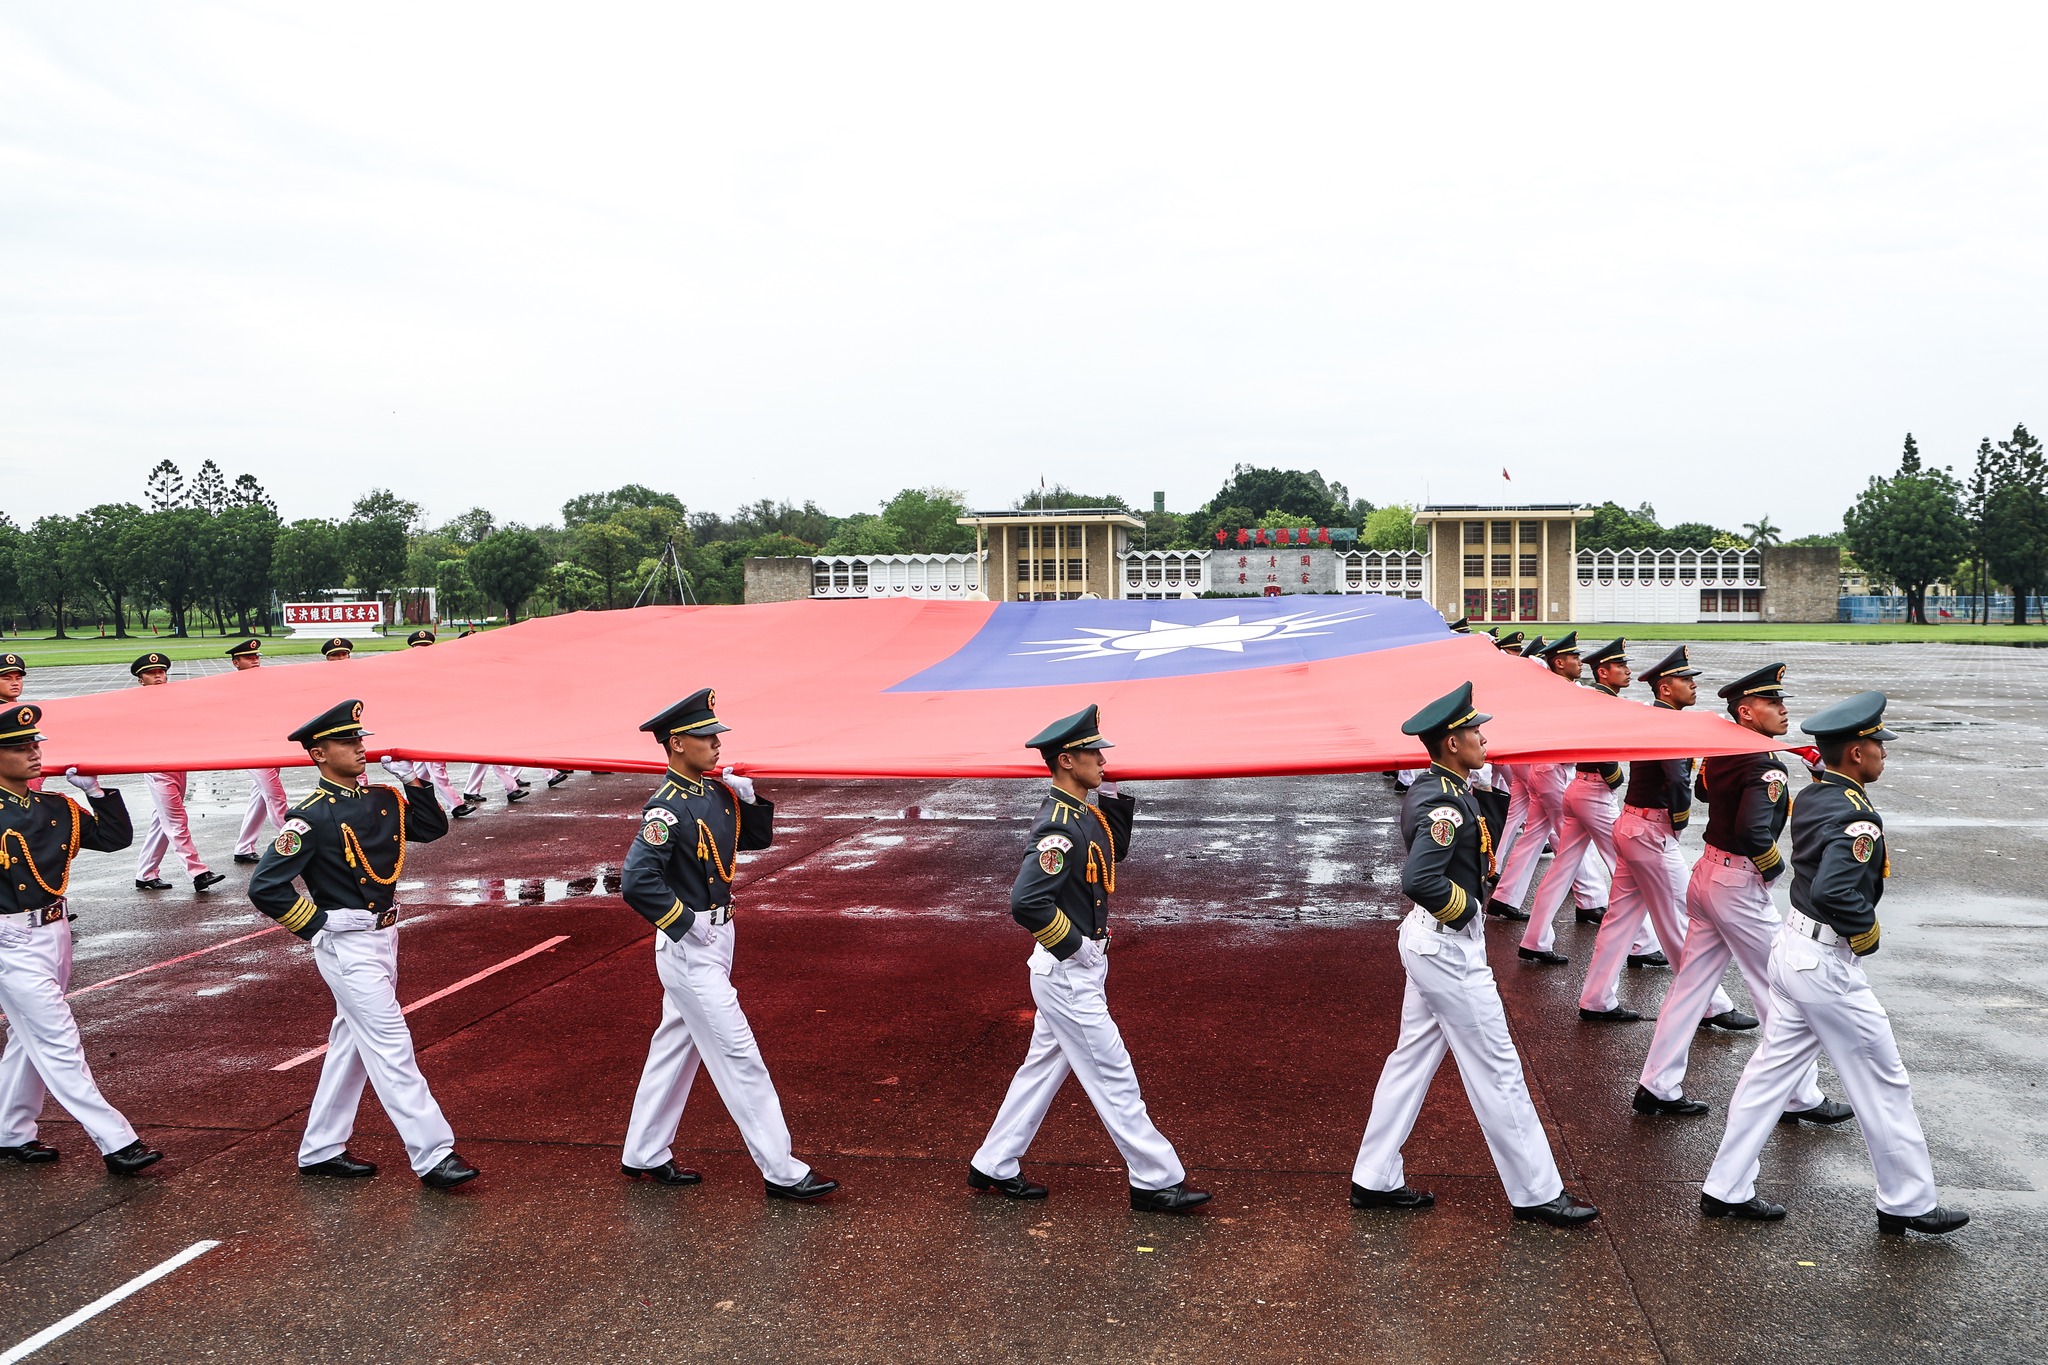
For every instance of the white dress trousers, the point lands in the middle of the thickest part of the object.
(1546, 783)
(444, 785)
(1074, 1033)
(370, 1041)
(1649, 885)
(1585, 832)
(44, 1053)
(508, 778)
(1821, 1001)
(1729, 916)
(266, 801)
(169, 827)
(1451, 1003)
(701, 1021)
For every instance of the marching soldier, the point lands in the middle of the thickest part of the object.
(1649, 871)
(1540, 788)
(436, 772)
(337, 649)
(1062, 895)
(266, 790)
(678, 875)
(1820, 999)
(1451, 1001)
(1586, 811)
(346, 842)
(169, 826)
(1728, 904)
(40, 834)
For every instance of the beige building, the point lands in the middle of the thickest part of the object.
(1054, 555)
(1502, 563)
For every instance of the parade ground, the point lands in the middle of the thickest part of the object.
(1254, 976)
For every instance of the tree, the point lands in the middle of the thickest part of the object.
(808, 523)
(1761, 532)
(247, 492)
(307, 559)
(507, 566)
(1612, 527)
(926, 521)
(1690, 535)
(601, 506)
(470, 527)
(457, 595)
(1390, 528)
(374, 548)
(2016, 516)
(1059, 495)
(382, 502)
(45, 566)
(10, 543)
(105, 555)
(245, 546)
(864, 533)
(571, 586)
(1287, 492)
(165, 487)
(209, 491)
(173, 549)
(610, 551)
(1909, 528)
(1977, 510)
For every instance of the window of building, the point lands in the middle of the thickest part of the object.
(1475, 533)
(1752, 599)
(1528, 569)
(1501, 565)
(1475, 566)
(1710, 601)
(1528, 604)
(1503, 532)
(1532, 532)
(1475, 603)
(1503, 604)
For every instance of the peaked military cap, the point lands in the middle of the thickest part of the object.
(336, 722)
(1768, 681)
(1860, 717)
(418, 638)
(1533, 648)
(1613, 652)
(1082, 730)
(247, 647)
(147, 662)
(1462, 625)
(337, 646)
(18, 726)
(13, 663)
(690, 716)
(1511, 640)
(1672, 665)
(467, 631)
(1567, 643)
(1452, 711)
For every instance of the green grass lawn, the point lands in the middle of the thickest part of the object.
(43, 651)
(1764, 630)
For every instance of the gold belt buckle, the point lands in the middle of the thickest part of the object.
(49, 914)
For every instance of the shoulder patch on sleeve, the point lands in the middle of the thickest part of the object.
(1774, 782)
(661, 813)
(1058, 841)
(1450, 813)
(1863, 837)
(1443, 824)
(1052, 857)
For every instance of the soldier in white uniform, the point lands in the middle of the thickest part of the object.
(169, 826)
(1541, 788)
(1062, 896)
(1451, 1002)
(453, 801)
(266, 785)
(1820, 999)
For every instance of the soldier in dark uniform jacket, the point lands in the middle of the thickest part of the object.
(1062, 896)
(346, 843)
(1820, 998)
(40, 834)
(1451, 1002)
(678, 877)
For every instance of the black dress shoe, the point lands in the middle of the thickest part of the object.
(1173, 1199)
(1404, 1198)
(557, 780)
(1827, 1113)
(519, 795)
(1646, 1103)
(205, 881)
(523, 783)
(1617, 1015)
(1590, 914)
(464, 809)
(151, 884)
(31, 1153)
(248, 858)
(1656, 959)
(342, 1166)
(812, 1186)
(451, 1171)
(132, 1158)
(1755, 1208)
(1016, 1187)
(1934, 1222)
(1734, 1021)
(1565, 1211)
(667, 1173)
(1541, 955)
(1502, 910)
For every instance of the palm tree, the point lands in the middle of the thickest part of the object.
(1761, 532)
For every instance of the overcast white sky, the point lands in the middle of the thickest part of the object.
(1719, 259)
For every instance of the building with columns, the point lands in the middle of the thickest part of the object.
(1053, 555)
(1499, 563)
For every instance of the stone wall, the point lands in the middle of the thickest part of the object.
(779, 579)
(1802, 582)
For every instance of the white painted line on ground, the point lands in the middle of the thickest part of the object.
(171, 962)
(441, 994)
(104, 1302)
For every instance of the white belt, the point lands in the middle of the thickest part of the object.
(1810, 928)
(1646, 813)
(1727, 859)
(42, 914)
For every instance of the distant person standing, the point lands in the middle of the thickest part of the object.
(266, 785)
(169, 826)
(452, 800)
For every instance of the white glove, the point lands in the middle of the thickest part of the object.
(349, 921)
(742, 787)
(405, 770)
(84, 782)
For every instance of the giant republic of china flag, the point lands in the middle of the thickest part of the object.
(1207, 688)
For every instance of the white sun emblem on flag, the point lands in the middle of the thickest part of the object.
(1229, 634)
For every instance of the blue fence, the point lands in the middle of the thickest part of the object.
(1874, 610)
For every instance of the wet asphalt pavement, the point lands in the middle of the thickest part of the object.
(1255, 980)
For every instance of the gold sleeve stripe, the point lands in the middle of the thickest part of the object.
(299, 916)
(1052, 933)
(1864, 941)
(1456, 907)
(1767, 859)
(674, 913)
